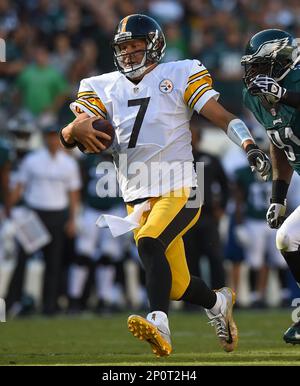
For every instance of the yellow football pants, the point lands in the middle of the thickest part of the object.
(168, 220)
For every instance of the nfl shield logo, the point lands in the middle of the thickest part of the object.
(166, 86)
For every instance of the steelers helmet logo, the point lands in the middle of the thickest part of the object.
(166, 86)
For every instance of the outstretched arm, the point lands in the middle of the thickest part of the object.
(238, 132)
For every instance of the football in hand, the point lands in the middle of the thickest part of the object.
(104, 126)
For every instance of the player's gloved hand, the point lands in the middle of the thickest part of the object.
(275, 214)
(263, 84)
(258, 161)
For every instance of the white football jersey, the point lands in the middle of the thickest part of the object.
(151, 121)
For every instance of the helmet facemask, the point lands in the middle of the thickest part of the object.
(257, 67)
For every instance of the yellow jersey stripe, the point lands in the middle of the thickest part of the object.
(86, 93)
(95, 106)
(91, 109)
(95, 100)
(197, 90)
(192, 77)
(200, 95)
(193, 87)
(207, 77)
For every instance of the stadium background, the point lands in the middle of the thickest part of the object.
(73, 37)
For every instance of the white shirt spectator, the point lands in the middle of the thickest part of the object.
(48, 179)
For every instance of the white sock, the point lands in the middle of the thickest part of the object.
(216, 309)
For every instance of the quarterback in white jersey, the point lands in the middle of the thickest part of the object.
(151, 120)
(150, 106)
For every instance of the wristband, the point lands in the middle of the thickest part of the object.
(250, 146)
(279, 191)
(66, 144)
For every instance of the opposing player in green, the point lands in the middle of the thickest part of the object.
(272, 93)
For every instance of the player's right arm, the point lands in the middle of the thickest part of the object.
(81, 130)
(282, 174)
(86, 107)
(200, 96)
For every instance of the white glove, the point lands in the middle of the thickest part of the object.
(275, 215)
(267, 86)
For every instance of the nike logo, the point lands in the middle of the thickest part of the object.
(297, 336)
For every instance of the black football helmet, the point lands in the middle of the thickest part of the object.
(139, 27)
(270, 52)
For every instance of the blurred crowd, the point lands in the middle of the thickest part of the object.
(50, 46)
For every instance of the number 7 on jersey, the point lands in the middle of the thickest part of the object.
(143, 103)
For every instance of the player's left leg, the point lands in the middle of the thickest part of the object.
(218, 304)
(165, 220)
(288, 242)
(279, 265)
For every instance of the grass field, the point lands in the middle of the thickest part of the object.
(90, 340)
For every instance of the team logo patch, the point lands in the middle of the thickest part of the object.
(166, 86)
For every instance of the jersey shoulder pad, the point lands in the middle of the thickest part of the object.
(198, 88)
(181, 68)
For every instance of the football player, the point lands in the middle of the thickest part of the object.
(272, 93)
(150, 104)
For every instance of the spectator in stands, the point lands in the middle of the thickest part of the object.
(41, 87)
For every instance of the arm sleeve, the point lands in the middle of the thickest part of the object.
(88, 101)
(198, 88)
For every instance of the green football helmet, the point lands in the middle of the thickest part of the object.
(270, 52)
